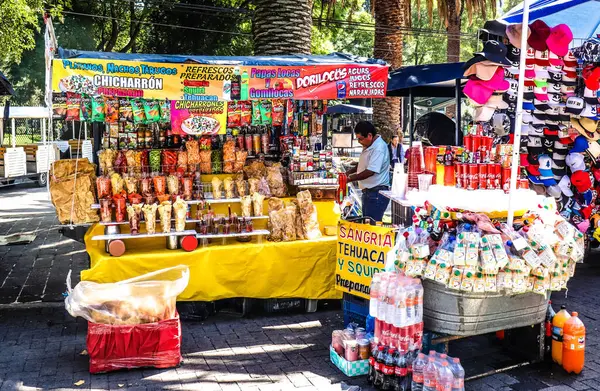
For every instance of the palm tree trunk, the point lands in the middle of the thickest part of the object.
(389, 15)
(282, 27)
(453, 30)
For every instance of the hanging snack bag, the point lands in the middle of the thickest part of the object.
(111, 109)
(152, 111)
(245, 113)
(137, 107)
(234, 115)
(86, 108)
(165, 111)
(125, 110)
(98, 109)
(59, 105)
(73, 106)
(278, 113)
(256, 113)
(266, 109)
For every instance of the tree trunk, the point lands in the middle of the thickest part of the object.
(389, 15)
(282, 27)
(453, 30)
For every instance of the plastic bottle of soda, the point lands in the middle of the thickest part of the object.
(445, 378)
(557, 334)
(417, 372)
(389, 369)
(372, 372)
(402, 381)
(430, 375)
(548, 332)
(573, 356)
(380, 307)
(379, 363)
(459, 375)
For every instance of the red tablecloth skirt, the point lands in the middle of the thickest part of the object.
(155, 345)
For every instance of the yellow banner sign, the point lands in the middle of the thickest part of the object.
(203, 82)
(362, 251)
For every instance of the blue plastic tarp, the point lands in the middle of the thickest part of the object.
(431, 80)
(348, 109)
(287, 60)
(582, 16)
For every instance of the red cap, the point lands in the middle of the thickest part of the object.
(189, 243)
(581, 180)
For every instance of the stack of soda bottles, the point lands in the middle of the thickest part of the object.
(396, 304)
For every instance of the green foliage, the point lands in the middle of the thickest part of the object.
(19, 24)
(346, 29)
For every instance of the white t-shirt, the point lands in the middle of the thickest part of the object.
(376, 158)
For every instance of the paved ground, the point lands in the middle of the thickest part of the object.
(41, 345)
(35, 271)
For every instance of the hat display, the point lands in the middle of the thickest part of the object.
(539, 34)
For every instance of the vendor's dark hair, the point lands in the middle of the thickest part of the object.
(364, 128)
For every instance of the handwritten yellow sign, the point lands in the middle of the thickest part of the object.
(362, 251)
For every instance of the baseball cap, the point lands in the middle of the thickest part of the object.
(565, 186)
(545, 166)
(591, 77)
(574, 105)
(575, 162)
(580, 144)
(553, 87)
(590, 96)
(581, 180)
(555, 60)
(541, 58)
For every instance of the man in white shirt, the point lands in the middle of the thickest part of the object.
(372, 172)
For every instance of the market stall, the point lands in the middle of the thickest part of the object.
(215, 163)
(486, 228)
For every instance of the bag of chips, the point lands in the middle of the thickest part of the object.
(266, 109)
(278, 113)
(137, 107)
(98, 109)
(86, 108)
(234, 115)
(165, 111)
(152, 111)
(246, 113)
(73, 106)
(256, 113)
(111, 109)
(125, 110)
(59, 105)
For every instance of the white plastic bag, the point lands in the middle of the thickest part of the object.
(148, 298)
(399, 181)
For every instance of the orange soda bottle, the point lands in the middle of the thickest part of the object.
(558, 323)
(573, 355)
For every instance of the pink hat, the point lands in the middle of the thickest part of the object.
(497, 82)
(559, 39)
(477, 91)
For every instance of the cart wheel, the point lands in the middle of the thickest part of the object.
(42, 179)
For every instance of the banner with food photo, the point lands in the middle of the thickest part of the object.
(198, 118)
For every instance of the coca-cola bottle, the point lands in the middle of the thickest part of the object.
(379, 364)
(401, 371)
(389, 375)
(372, 371)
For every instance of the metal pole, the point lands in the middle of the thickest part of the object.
(14, 133)
(457, 116)
(519, 117)
(324, 134)
(411, 113)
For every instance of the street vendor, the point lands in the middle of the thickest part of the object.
(372, 172)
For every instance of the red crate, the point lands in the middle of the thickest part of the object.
(115, 347)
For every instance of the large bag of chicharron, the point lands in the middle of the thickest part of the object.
(72, 189)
